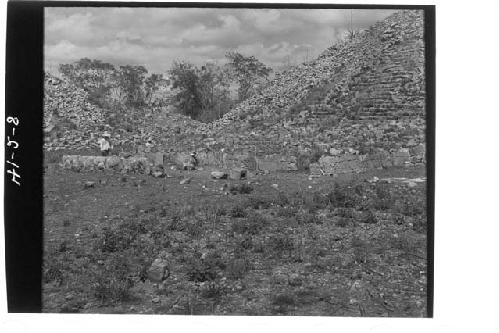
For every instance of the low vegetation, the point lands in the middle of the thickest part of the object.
(331, 251)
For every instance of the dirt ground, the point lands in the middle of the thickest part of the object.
(289, 247)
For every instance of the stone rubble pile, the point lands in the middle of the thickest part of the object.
(69, 118)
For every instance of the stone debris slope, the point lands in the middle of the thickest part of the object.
(70, 120)
(360, 94)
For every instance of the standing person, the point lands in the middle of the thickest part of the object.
(190, 162)
(104, 143)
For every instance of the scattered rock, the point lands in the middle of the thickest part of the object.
(186, 181)
(237, 174)
(158, 271)
(295, 280)
(88, 185)
(218, 175)
(158, 174)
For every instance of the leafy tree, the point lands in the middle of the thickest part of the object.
(214, 91)
(131, 79)
(152, 85)
(247, 71)
(185, 78)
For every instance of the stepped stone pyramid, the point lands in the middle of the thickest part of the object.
(365, 95)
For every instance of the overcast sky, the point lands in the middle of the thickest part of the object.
(154, 37)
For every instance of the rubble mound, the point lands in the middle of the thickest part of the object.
(69, 118)
(366, 94)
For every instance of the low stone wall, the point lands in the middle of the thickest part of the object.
(135, 164)
(351, 163)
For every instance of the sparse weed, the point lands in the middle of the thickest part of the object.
(53, 272)
(237, 211)
(240, 189)
(237, 268)
(258, 202)
(251, 225)
(113, 282)
(283, 301)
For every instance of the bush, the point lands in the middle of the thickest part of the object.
(175, 223)
(287, 212)
(53, 272)
(283, 301)
(368, 217)
(115, 240)
(343, 222)
(240, 189)
(258, 202)
(251, 225)
(237, 268)
(281, 199)
(237, 211)
(303, 162)
(194, 228)
(200, 270)
(113, 282)
(309, 218)
(342, 196)
(412, 206)
(383, 198)
(280, 244)
(213, 289)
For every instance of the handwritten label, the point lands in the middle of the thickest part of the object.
(14, 146)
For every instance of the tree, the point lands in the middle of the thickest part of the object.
(152, 85)
(214, 91)
(185, 79)
(247, 71)
(131, 79)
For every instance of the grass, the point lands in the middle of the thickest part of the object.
(224, 250)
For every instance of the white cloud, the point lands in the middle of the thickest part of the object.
(154, 37)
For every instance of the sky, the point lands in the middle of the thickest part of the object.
(155, 37)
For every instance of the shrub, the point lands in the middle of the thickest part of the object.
(237, 211)
(281, 243)
(240, 189)
(115, 240)
(283, 301)
(194, 228)
(53, 272)
(361, 249)
(200, 270)
(258, 202)
(343, 222)
(368, 217)
(237, 268)
(309, 218)
(287, 211)
(251, 225)
(175, 223)
(213, 289)
(412, 206)
(316, 154)
(383, 198)
(63, 247)
(342, 196)
(303, 162)
(113, 282)
(281, 199)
